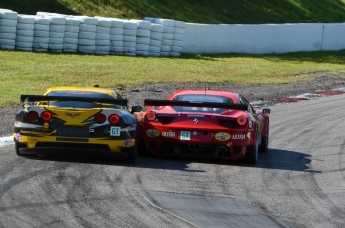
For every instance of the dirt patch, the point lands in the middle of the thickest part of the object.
(253, 92)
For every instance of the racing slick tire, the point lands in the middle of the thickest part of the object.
(17, 147)
(132, 154)
(252, 153)
(264, 143)
(142, 147)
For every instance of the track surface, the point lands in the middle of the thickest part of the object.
(300, 181)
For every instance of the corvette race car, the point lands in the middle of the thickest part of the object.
(208, 123)
(88, 118)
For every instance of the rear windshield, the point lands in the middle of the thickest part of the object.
(76, 93)
(81, 104)
(202, 98)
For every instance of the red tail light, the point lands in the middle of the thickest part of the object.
(113, 119)
(32, 115)
(100, 118)
(46, 116)
(242, 120)
(151, 116)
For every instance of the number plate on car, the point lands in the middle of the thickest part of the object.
(185, 135)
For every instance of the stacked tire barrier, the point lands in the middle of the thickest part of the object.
(8, 29)
(41, 34)
(58, 33)
(25, 32)
(116, 37)
(130, 37)
(70, 39)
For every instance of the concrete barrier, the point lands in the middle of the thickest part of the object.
(333, 37)
(252, 39)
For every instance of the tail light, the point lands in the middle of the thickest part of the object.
(32, 115)
(100, 118)
(46, 116)
(113, 119)
(151, 116)
(242, 120)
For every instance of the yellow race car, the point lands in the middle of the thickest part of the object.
(87, 118)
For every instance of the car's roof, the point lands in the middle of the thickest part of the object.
(234, 96)
(78, 88)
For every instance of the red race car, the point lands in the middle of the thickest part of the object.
(208, 123)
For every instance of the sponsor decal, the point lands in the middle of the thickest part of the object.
(127, 142)
(239, 137)
(185, 135)
(196, 115)
(115, 131)
(168, 134)
(195, 133)
(91, 130)
(73, 114)
(46, 125)
(19, 137)
(222, 136)
(152, 133)
(34, 133)
(196, 121)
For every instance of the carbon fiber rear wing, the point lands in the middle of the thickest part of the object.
(151, 102)
(37, 98)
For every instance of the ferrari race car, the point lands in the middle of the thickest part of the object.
(88, 118)
(206, 123)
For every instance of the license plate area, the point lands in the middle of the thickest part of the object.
(72, 131)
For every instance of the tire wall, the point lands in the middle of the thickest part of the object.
(263, 38)
(51, 32)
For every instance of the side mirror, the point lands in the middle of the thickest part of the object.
(266, 111)
(136, 108)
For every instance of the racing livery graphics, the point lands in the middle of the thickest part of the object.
(204, 123)
(86, 118)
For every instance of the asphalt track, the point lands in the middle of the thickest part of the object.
(299, 182)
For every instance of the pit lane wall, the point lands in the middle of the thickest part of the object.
(263, 38)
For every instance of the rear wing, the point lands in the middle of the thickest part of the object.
(38, 98)
(151, 102)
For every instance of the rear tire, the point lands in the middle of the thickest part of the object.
(252, 153)
(18, 146)
(132, 154)
(142, 147)
(264, 144)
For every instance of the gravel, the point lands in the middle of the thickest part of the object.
(254, 92)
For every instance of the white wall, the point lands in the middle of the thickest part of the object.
(334, 37)
(263, 38)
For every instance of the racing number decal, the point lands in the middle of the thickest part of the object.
(185, 135)
(115, 131)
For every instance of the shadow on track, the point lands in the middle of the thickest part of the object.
(273, 159)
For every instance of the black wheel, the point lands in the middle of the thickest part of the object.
(142, 147)
(264, 143)
(132, 154)
(252, 153)
(17, 147)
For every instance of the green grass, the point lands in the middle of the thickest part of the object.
(33, 73)
(196, 11)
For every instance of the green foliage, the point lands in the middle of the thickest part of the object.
(196, 11)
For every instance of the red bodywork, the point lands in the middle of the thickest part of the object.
(203, 127)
